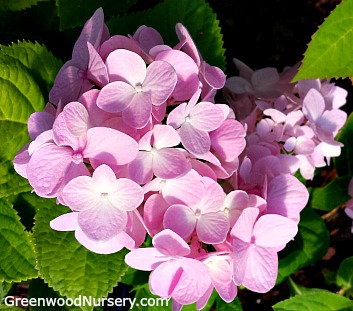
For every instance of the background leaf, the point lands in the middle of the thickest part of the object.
(76, 13)
(334, 194)
(314, 301)
(197, 16)
(235, 305)
(329, 54)
(344, 163)
(309, 245)
(66, 265)
(6, 5)
(345, 273)
(17, 262)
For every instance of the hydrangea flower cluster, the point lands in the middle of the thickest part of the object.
(134, 143)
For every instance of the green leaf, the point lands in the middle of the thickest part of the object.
(41, 64)
(66, 265)
(314, 301)
(332, 195)
(309, 245)
(344, 163)
(5, 287)
(17, 5)
(135, 277)
(197, 16)
(73, 13)
(143, 293)
(17, 262)
(9, 308)
(329, 54)
(345, 273)
(39, 289)
(235, 305)
(20, 96)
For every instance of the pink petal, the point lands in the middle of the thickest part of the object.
(153, 213)
(170, 163)
(214, 76)
(21, 160)
(118, 42)
(160, 81)
(181, 219)
(126, 66)
(187, 43)
(110, 141)
(229, 139)
(194, 140)
(103, 221)
(145, 259)
(147, 37)
(39, 122)
(212, 228)
(165, 136)
(170, 244)
(186, 70)
(79, 194)
(110, 246)
(286, 196)
(136, 227)
(274, 230)
(141, 169)
(97, 71)
(313, 105)
(177, 116)
(206, 116)
(127, 196)
(115, 96)
(213, 198)
(138, 113)
(243, 228)
(65, 222)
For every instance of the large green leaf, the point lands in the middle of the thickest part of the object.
(313, 301)
(66, 265)
(345, 273)
(6, 5)
(76, 13)
(196, 15)
(17, 262)
(329, 54)
(235, 305)
(41, 63)
(309, 245)
(344, 163)
(334, 194)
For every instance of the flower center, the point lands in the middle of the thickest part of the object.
(77, 158)
(138, 88)
(104, 195)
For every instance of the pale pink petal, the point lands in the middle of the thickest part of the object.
(103, 221)
(286, 196)
(165, 136)
(201, 303)
(164, 278)
(170, 244)
(147, 37)
(239, 85)
(262, 269)
(212, 228)
(118, 42)
(116, 96)
(21, 160)
(97, 71)
(186, 70)
(213, 198)
(65, 222)
(153, 213)
(39, 122)
(92, 32)
(159, 112)
(79, 194)
(214, 76)
(141, 169)
(187, 43)
(127, 196)
(194, 140)
(193, 282)
(136, 228)
(110, 246)
(313, 105)
(181, 219)
(177, 116)
(274, 230)
(127, 66)
(243, 228)
(160, 81)
(170, 163)
(145, 259)
(240, 260)
(229, 139)
(111, 141)
(206, 116)
(103, 178)
(138, 113)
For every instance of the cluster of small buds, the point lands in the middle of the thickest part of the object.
(134, 144)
